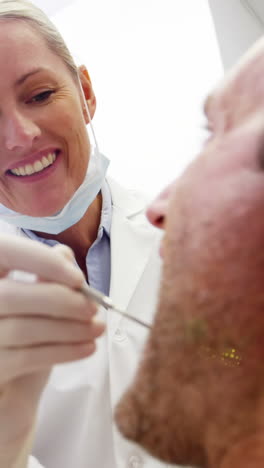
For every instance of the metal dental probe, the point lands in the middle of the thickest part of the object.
(105, 301)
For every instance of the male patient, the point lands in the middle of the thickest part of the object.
(198, 396)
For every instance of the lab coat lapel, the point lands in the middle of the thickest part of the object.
(132, 241)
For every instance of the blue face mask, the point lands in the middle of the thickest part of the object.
(74, 210)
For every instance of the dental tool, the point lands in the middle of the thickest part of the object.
(107, 302)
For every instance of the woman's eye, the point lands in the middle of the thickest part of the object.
(44, 96)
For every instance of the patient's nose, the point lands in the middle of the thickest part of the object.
(157, 210)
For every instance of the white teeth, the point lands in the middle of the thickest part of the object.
(45, 161)
(29, 169)
(36, 167)
(21, 171)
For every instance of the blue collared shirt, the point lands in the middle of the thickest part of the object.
(98, 258)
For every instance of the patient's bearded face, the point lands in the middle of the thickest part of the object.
(199, 389)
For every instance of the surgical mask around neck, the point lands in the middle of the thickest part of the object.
(74, 210)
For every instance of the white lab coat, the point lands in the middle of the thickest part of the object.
(74, 426)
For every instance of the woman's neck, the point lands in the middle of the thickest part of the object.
(81, 235)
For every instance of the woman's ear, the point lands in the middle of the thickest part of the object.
(88, 92)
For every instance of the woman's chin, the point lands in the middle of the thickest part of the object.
(41, 213)
(42, 208)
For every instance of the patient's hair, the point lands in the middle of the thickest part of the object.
(22, 10)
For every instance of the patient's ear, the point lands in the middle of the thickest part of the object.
(88, 92)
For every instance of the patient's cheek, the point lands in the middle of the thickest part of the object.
(214, 251)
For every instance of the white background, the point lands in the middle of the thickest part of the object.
(151, 62)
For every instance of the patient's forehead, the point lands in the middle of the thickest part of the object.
(242, 89)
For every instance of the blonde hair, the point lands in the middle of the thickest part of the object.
(25, 11)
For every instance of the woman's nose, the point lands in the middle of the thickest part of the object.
(19, 131)
(157, 210)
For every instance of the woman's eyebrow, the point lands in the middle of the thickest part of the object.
(27, 75)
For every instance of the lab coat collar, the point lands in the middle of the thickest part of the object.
(128, 201)
(132, 242)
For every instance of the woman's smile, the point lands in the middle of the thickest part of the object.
(41, 166)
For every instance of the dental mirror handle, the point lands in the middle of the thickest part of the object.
(107, 302)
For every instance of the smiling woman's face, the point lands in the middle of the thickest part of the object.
(44, 147)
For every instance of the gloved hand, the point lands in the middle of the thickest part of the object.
(42, 323)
